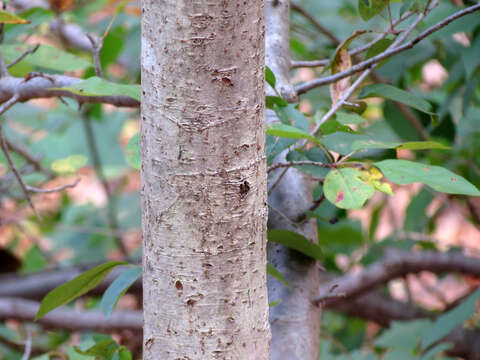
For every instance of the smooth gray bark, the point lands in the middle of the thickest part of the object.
(204, 180)
(295, 322)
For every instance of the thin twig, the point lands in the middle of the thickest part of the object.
(3, 68)
(97, 45)
(35, 351)
(52, 190)
(3, 145)
(7, 105)
(309, 64)
(301, 89)
(18, 149)
(283, 216)
(297, 163)
(28, 345)
(366, 73)
(315, 23)
(21, 57)
(303, 217)
(353, 52)
(111, 201)
(275, 184)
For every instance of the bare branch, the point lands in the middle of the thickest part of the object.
(21, 309)
(21, 57)
(297, 163)
(353, 52)
(367, 72)
(7, 105)
(18, 149)
(4, 147)
(397, 263)
(301, 89)
(28, 345)
(378, 307)
(43, 87)
(315, 23)
(97, 45)
(72, 34)
(306, 63)
(3, 68)
(53, 190)
(36, 286)
(383, 309)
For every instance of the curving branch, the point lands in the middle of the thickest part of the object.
(466, 343)
(315, 23)
(369, 69)
(36, 286)
(353, 52)
(288, 164)
(43, 87)
(395, 264)
(25, 310)
(303, 88)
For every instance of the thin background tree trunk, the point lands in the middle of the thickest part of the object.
(204, 180)
(295, 321)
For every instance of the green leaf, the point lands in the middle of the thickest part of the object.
(75, 287)
(272, 101)
(9, 18)
(69, 164)
(403, 335)
(276, 145)
(120, 7)
(46, 57)
(411, 145)
(343, 237)
(33, 260)
(270, 77)
(96, 86)
(373, 8)
(314, 154)
(436, 350)
(391, 92)
(276, 274)
(274, 303)
(423, 145)
(445, 323)
(349, 119)
(379, 47)
(118, 288)
(405, 172)
(103, 349)
(290, 132)
(416, 218)
(132, 151)
(296, 242)
(345, 188)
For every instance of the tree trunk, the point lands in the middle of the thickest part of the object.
(295, 321)
(204, 180)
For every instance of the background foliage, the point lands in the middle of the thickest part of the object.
(359, 160)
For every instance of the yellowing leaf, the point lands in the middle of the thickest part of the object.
(69, 164)
(341, 62)
(9, 18)
(373, 176)
(383, 187)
